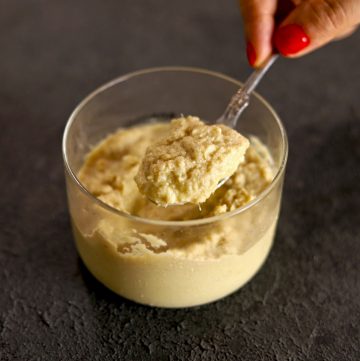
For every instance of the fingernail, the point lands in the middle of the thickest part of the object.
(251, 54)
(290, 39)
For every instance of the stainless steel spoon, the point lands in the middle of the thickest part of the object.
(240, 101)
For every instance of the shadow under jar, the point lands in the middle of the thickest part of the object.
(222, 252)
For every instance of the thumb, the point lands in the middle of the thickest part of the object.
(314, 23)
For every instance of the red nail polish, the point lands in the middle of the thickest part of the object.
(290, 39)
(251, 54)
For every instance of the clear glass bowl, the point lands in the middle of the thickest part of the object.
(223, 252)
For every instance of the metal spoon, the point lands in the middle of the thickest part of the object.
(241, 99)
(239, 102)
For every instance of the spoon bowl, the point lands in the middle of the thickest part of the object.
(238, 104)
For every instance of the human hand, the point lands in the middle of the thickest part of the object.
(295, 27)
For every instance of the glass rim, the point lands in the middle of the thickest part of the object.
(192, 222)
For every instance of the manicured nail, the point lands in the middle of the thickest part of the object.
(251, 54)
(290, 39)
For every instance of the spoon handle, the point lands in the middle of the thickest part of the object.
(241, 99)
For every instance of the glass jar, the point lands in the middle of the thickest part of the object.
(222, 252)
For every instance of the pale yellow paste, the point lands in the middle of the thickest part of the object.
(171, 265)
(110, 168)
(189, 163)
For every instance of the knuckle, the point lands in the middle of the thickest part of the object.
(329, 14)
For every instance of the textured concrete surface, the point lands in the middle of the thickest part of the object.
(303, 305)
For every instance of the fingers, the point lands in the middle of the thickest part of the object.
(314, 23)
(258, 18)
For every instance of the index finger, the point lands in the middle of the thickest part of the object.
(259, 25)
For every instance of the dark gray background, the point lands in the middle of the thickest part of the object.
(303, 305)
